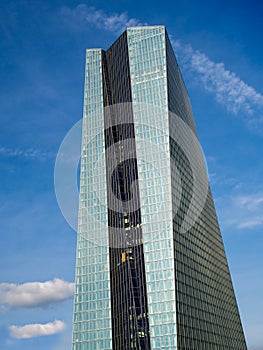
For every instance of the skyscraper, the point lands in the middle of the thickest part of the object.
(151, 271)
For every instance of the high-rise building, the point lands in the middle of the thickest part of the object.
(151, 270)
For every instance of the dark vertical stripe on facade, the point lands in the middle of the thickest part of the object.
(130, 324)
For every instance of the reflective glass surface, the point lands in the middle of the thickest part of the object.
(143, 281)
(92, 309)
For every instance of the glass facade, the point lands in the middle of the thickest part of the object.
(207, 313)
(151, 271)
(92, 306)
(149, 88)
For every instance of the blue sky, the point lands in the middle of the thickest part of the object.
(219, 48)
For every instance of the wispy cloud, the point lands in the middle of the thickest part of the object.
(251, 202)
(242, 211)
(34, 294)
(29, 153)
(257, 221)
(36, 330)
(252, 207)
(230, 91)
(83, 15)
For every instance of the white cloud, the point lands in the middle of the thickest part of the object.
(114, 23)
(34, 294)
(250, 202)
(229, 89)
(257, 221)
(241, 211)
(36, 330)
(83, 15)
(29, 153)
(252, 208)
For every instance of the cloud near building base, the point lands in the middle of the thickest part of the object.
(35, 294)
(36, 330)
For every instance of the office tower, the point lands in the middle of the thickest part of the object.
(151, 271)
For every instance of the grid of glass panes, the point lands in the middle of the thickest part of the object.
(207, 314)
(130, 327)
(149, 94)
(92, 317)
